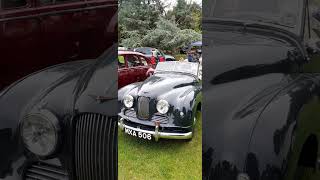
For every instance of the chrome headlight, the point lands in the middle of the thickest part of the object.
(40, 133)
(163, 106)
(128, 101)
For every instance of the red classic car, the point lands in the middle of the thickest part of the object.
(132, 67)
(35, 34)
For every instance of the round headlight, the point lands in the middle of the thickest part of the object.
(40, 133)
(162, 106)
(128, 101)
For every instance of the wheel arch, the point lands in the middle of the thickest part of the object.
(309, 152)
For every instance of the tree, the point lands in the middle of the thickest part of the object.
(187, 16)
(145, 23)
(136, 17)
(168, 36)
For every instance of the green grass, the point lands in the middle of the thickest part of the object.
(309, 124)
(165, 159)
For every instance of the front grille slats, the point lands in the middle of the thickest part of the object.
(163, 119)
(41, 171)
(143, 107)
(95, 146)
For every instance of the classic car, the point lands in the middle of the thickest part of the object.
(164, 105)
(132, 67)
(61, 122)
(195, 45)
(148, 52)
(35, 34)
(261, 86)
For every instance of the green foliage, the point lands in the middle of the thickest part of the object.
(145, 23)
(186, 15)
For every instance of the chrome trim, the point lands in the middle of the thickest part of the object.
(157, 134)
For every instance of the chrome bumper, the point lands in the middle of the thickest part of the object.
(156, 133)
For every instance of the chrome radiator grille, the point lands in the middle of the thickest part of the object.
(43, 171)
(143, 108)
(95, 147)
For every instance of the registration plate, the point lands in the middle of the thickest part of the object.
(138, 134)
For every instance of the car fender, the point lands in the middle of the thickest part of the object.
(13, 102)
(286, 118)
(129, 88)
(233, 109)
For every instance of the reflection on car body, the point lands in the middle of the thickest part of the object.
(61, 122)
(261, 85)
(35, 34)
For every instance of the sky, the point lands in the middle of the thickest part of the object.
(172, 3)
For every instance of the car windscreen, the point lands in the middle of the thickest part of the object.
(147, 51)
(176, 66)
(279, 12)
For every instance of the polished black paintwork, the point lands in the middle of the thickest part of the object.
(182, 91)
(261, 105)
(66, 90)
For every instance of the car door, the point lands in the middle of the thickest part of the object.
(145, 66)
(135, 69)
(123, 71)
(19, 39)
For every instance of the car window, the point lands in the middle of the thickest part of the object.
(147, 51)
(143, 61)
(133, 61)
(63, 1)
(162, 54)
(55, 1)
(46, 1)
(121, 62)
(9, 4)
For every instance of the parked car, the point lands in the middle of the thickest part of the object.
(132, 67)
(148, 52)
(61, 122)
(35, 34)
(184, 50)
(195, 45)
(261, 88)
(164, 105)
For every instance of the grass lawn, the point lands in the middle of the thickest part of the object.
(309, 123)
(165, 159)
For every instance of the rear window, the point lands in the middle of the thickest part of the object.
(9, 4)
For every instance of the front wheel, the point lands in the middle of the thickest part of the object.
(196, 117)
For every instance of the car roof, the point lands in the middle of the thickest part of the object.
(130, 52)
